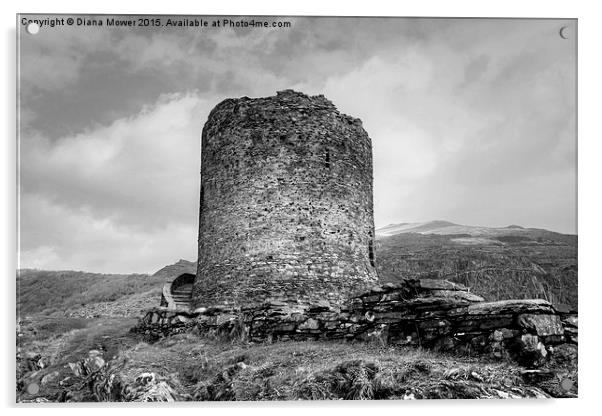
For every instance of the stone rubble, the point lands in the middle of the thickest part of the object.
(429, 313)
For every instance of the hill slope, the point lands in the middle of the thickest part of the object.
(43, 293)
(67, 317)
(497, 263)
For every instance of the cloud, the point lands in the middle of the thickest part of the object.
(56, 57)
(141, 170)
(455, 128)
(471, 121)
(59, 237)
(122, 197)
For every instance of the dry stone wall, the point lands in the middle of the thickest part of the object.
(286, 207)
(428, 313)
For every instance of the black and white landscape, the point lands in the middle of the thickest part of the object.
(473, 131)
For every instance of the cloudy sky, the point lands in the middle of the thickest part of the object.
(472, 121)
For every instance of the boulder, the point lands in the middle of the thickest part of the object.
(285, 327)
(484, 322)
(50, 377)
(570, 320)
(179, 319)
(511, 307)
(529, 351)
(542, 325)
(564, 309)
(497, 335)
(439, 284)
(457, 294)
(309, 324)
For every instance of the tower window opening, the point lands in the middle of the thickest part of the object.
(327, 164)
(371, 253)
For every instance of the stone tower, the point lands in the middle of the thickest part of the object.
(286, 203)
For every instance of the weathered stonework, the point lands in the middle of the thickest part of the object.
(428, 313)
(286, 206)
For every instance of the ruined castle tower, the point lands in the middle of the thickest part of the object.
(286, 203)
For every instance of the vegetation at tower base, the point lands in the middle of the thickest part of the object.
(286, 203)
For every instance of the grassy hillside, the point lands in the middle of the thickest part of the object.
(54, 291)
(49, 292)
(516, 263)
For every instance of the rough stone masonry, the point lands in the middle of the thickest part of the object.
(429, 313)
(286, 206)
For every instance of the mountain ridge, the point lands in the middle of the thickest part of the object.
(442, 227)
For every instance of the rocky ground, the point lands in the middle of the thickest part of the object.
(81, 348)
(101, 360)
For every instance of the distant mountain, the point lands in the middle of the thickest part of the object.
(498, 234)
(414, 227)
(496, 262)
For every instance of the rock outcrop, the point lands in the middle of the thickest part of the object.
(93, 379)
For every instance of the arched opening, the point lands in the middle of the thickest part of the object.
(371, 252)
(178, 293)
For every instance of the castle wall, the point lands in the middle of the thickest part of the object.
(428, 313)
(286, 206)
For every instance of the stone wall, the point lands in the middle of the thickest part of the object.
(434, 314)
(286, 203)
